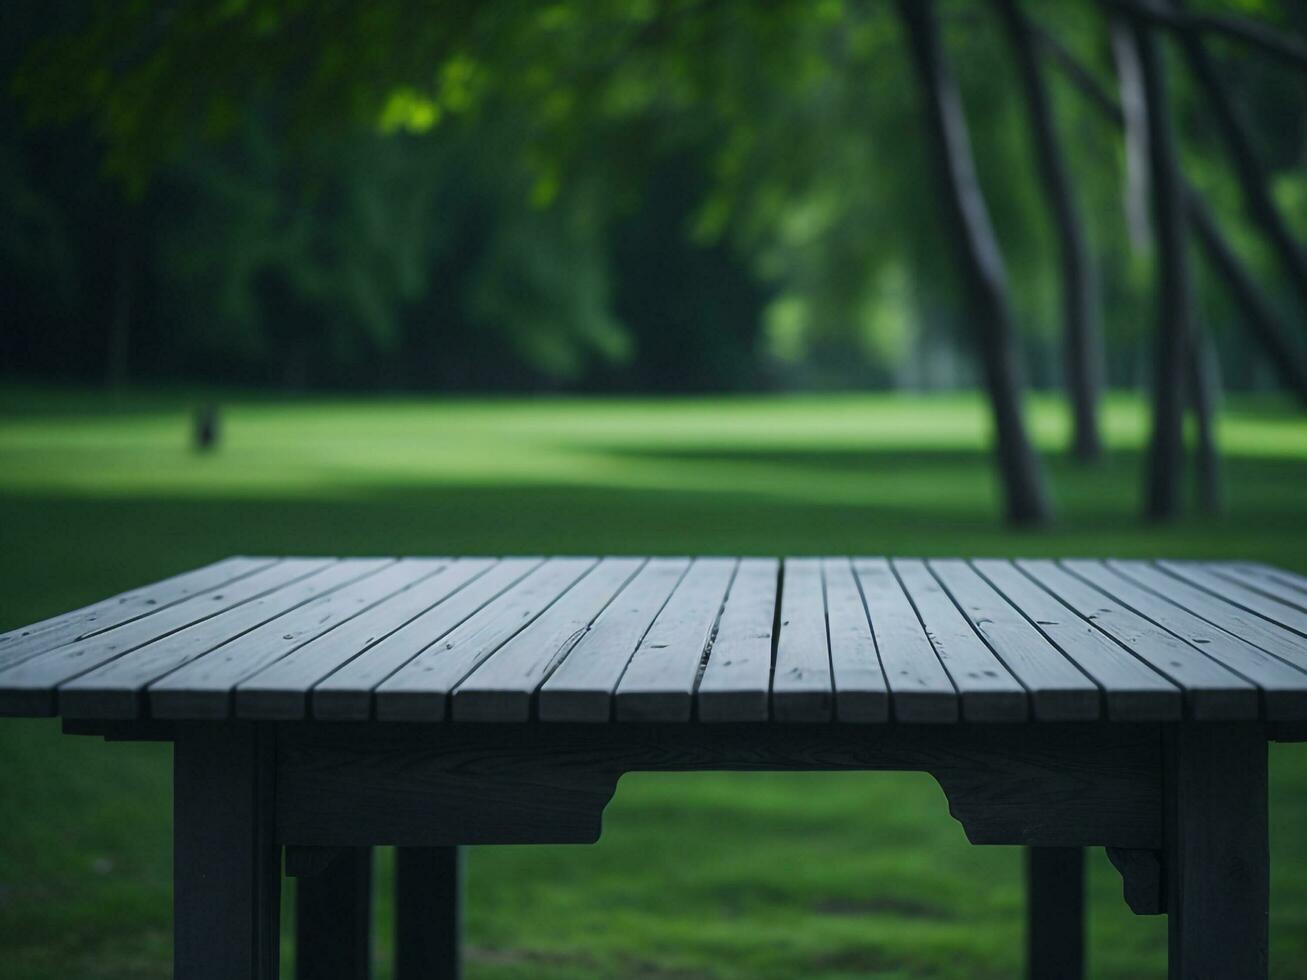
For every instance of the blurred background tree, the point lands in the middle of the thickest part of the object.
(632, 196)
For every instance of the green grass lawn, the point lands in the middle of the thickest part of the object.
(706, 875)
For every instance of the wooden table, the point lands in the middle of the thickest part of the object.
(325, 706)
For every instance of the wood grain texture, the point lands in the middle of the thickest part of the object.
(1290, 617)
(802, 689)
(226, 858)
(920, 688)
(658, 684)
(1210, 690)
(29, 688)
(1266, 581)
(1283, 643)
(20, 644)
(280, 690)
(116, 690)
(1283, 687)
(419, 691)
(987, 689)
(501, 688)
(203, 687)
(736, 680)
(1132, 690)
(1059, 690)
(1217, 851)
(861, 694)
(346, 695)
(634, 639)
(1090, 784)
(582, 687)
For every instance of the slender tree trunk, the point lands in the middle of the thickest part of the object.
(1264, 322)
(1262, 319)
(1256, 192)
(1134, 125)
(1082, 343)
(124, 294)
(1166, 452)
(1204, 391)
(981, 264)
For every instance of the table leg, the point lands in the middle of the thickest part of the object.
(333, 919)
(226, 862)
(428, 913)
(1055, 913)
(1217, 855)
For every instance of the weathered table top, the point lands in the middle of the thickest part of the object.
(674, 639)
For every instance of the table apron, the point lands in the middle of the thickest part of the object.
(1044, 785)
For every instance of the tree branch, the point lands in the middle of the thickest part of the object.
(1263, 321)
(1289, 49)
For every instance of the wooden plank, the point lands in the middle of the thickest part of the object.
(1059, 690)
(737, 677)
(1294, 579)
(281, 690)
(26, 642)
(802, 689)
(203, 687)
(1273, 573)
(920, 688)
(501, 688)
(419, 691)
(1264, 606)
(582, 687)
(1210, 690)
(1248, 626)
(116, 690)
(859, 681)
(28, 688)
(1133, 691)
(346, 695)
(659, 681)
(987, 689)
(1216, 628)
(1258, 580)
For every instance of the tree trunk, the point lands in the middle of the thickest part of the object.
(981, 264)
(1204, 390)
(1256, 193)
(120, 320)
(1082, 343)
(1166, 452)
(1261, 317)
(1264, 322)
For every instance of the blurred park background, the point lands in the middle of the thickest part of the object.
(918, 278)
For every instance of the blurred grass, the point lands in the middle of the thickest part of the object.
(713, 875)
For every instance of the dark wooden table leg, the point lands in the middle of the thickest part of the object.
(333, 919)
(1055, 913)
(226, 862)
(428, 913)
(1217, 855)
